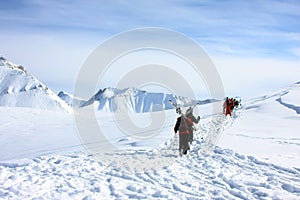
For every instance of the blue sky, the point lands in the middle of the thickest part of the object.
(53, 38)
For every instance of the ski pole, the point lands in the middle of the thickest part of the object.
(173, 141)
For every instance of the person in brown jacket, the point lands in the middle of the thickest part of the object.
(184, 125)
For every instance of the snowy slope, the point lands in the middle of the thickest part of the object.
(270, 126)
(56, 167)
(18, 88)
(34, 165)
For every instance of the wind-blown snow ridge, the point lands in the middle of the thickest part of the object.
(280, 96)
(18, 88)
(290, 106)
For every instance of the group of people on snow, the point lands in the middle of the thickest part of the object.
(185, 123)
(229, 105)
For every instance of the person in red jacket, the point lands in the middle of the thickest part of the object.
(182, 125)
(228, 106)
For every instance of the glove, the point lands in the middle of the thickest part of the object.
(198, 118)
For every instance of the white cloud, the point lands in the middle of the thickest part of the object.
(54, 60)
(53, 38)
(296, 51)
(255, 76)
(294, 36)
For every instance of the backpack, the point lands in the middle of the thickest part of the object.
(227, 102)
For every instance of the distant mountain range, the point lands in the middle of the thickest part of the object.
(18, 88)
(135, 100)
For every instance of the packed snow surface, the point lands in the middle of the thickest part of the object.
(256, 157)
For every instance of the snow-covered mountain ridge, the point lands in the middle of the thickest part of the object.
(71, 100)
(18, 88)
(133, 99)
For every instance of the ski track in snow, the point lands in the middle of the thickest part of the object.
(290, 106)
(223, 174)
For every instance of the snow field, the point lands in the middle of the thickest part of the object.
(42, 157)
(223, 175)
